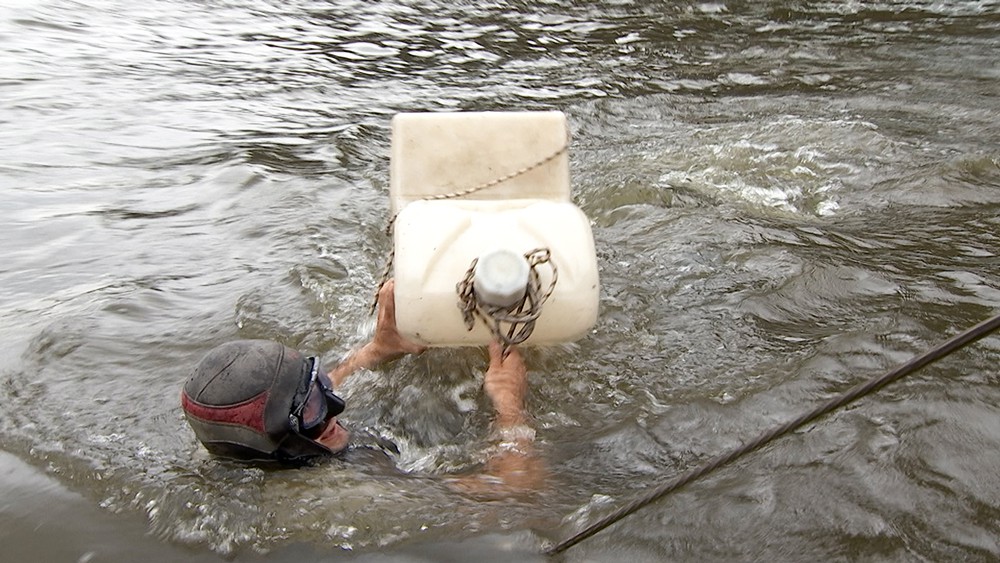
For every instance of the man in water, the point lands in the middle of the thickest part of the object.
(257, 399)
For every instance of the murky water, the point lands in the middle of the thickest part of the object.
(787, 197)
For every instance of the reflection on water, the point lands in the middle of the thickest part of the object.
(786, 198)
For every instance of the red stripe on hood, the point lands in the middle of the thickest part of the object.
(249, 413)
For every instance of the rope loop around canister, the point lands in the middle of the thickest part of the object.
(514, 324)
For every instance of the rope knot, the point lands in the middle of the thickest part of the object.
(514, 324)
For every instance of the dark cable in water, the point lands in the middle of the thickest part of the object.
(955, 343)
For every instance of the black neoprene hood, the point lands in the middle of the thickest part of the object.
(239, 397)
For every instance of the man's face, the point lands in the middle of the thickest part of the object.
(334, 436)
(315, 418)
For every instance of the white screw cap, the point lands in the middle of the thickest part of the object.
(501, 278)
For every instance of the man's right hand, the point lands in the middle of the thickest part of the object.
(387, 342)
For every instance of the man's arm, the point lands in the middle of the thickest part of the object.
(512, 466)
(506, 383)
(387, 344)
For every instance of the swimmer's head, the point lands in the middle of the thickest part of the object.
(256, 399)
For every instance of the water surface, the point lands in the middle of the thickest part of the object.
(787, 198)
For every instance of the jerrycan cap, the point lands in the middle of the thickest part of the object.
(501, 278)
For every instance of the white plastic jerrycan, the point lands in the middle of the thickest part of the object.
(516, 169)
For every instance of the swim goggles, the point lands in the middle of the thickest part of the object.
(320, 404)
